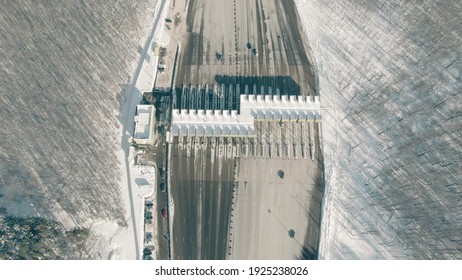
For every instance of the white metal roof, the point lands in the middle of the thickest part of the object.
(253, 107)
(143, 122)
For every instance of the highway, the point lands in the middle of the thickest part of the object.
(268, 206)
(217, 34)
(253, 47)
(201, 187)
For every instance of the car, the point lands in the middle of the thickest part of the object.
(168, 20)
(161, 68)
(255, 51)
(161, 172)
(147, 252)
(148, 215)
(249, 45)
(218, 55)
(162, 187)
(163, 212)
(148, 203)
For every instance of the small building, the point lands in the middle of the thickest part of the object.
(144, 125)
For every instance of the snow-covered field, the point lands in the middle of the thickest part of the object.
(390, 86)
(69, 72)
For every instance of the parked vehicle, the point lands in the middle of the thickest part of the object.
(147, 252)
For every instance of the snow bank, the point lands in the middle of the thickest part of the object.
(137, 180)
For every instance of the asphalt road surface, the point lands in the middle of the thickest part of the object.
(241, 39)
(201, 187)
(256, 44)
(267, 207)
(162, 203)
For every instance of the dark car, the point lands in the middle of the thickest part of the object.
(148, 215)
(161, 172)
(162, 187)
(255, 51)
(163, 212)
(249, 45)
(147, 252)
(148, 203)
